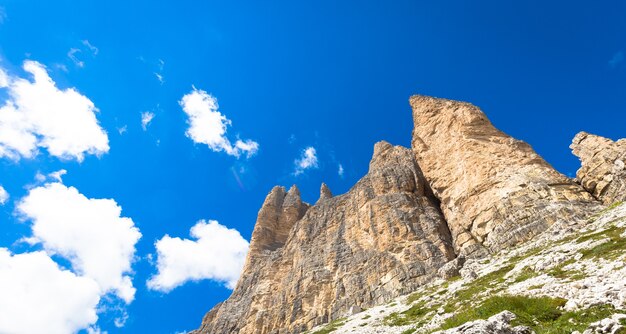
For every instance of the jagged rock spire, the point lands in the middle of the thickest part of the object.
(325, 193)
(603, 169)
(384, 237)
(279, 212)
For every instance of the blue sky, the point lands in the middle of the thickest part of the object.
(313, 84)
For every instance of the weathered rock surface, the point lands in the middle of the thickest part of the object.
(603, 170)
(495, 191)
(383, 238)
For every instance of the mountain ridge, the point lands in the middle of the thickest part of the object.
(464, 190)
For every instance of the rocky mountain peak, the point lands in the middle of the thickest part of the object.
(495, 191)
(464, 190)
(325, 192)
(603, 170)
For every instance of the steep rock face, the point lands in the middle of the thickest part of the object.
(495, 191)
(603, 170)
(383, 238)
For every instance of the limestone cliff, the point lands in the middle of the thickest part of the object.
(464, 190)
(495, 191)
(383, 238)
(603, 172)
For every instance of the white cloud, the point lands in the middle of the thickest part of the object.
(72, 56)
(340, 170)
(122, 130)
(146, 118)
(3, 15)
(4, 195)
(73, 53)
(38, 114)
(40, 297)
(307, 160)
(208, 126)
(159, 77)
(218, 254)
(94, 50)
(90, 233)
(57, 176)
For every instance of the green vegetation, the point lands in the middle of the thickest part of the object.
(414, 314)
(559, 272)
(331, 327)
(408, 331)
(367, 316)
(543, 314)
(525, 274)
(532, 252)
(482, 284)
(611, 249)
(613, 206)
(528, 310)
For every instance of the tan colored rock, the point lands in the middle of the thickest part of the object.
(383, 238)
(325, 193)
(495, 191)
(603, 170)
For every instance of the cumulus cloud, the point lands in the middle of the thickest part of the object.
(208, 126)
(217, 253)
(4, 195)
(307, 160)
(40, 297)
(37, 114)
(90, 233)
(146, 118)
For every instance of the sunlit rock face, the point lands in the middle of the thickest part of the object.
(495, 191)
(310, 265)
(603, 170)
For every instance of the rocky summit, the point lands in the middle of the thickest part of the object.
(603, 170)
(444, 228)
(495, 191)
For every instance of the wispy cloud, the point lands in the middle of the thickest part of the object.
(74, 53)
(122, 130)
(94, 50)
(72, 56)
(4, 196)
(159, 77)
(146, 118)
(307, 160)
(340, 170)
(617, 59)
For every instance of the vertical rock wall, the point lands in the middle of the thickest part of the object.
(495, 191)
(383, 238)
(603, 170)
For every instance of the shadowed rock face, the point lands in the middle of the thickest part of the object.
(603, 170)
(495, 191)
(383, 238)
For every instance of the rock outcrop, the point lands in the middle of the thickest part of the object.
(603, 170)
(495, 191)
(383, 238)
